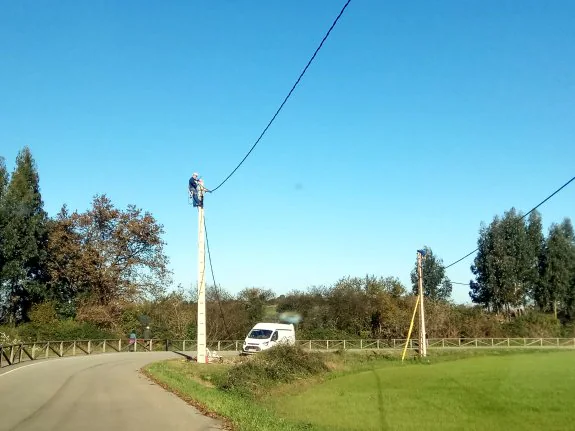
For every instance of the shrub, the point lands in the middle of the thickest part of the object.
(280, 364)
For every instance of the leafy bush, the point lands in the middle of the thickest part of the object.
(62, 330)
(534, 324)
(280, 364)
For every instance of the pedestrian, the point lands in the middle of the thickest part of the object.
(132, 341)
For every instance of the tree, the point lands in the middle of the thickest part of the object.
(436, 285)
(65, 265)
(4, 179)
(109, 256)
(536, 246)
(504, 264)
(24, 239)
(254, 301)
(558, 268)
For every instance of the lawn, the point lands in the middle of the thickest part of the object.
(512, 392)
(493, 391)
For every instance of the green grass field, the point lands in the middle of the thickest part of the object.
(507, 391)
(514, 392)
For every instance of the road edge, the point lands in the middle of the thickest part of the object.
(204, 410)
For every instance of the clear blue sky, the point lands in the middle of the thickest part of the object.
(417, 121)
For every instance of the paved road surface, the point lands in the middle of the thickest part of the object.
(101, 392)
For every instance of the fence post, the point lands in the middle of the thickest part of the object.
(394, 343)
(443, 343)
(151, 345)
(508, 342)
(327, 344)
(46, 354)
(120, 345)
(557, 341)
(492, 342)
(11, 354)
(184, 346)
(361, 344)
(343, 344)
(135, 345)
(74, 348)
(104, 347)
(309, 344)
(378, 344)
(89, 347)
(476, 342)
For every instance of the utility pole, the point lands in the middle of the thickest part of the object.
(422, 335)
(201, 348)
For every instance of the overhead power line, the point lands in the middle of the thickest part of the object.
(287, 97)
(525, 215)
(214, 280)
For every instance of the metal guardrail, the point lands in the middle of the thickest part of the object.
(30, 351)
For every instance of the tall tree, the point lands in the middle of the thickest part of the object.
(109, 256)
(4, 179)
(536, 246)
(503, 266)
(436, 285)
(558, 265)
(24, 239)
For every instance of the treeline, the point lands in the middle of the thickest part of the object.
(104, 273)
(516, 266)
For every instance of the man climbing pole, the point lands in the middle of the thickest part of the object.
(197, 190)
(193, 188)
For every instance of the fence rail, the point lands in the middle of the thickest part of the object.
(16, 353)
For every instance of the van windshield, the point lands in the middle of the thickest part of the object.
(260, 334)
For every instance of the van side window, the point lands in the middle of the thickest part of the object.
(275, 336)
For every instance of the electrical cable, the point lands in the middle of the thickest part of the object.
(286, 98)
(525, 215)
(214, 280)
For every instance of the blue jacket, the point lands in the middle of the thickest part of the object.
(193, 184)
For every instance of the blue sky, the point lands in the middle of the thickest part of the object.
(417, 121)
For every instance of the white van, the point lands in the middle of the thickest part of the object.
(266, 335)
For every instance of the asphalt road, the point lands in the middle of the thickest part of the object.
(100, 392)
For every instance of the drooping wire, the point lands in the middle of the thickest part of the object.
(214, 280)
(525, 215)
(287, 97)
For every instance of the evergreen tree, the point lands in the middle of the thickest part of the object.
(504, 263)
(4, 178)
(23, 240)
(536, 246)
(558, 266)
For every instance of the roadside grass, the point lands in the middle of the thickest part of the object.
(294, 390)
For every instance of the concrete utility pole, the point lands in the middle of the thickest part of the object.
(201, 289)
(422, 335)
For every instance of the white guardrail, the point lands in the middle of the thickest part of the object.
(29, 351)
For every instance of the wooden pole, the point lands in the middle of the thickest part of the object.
(422, 336)
(201, 354)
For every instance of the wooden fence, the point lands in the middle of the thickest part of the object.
(17, 353)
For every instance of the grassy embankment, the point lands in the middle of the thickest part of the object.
(287, 389)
